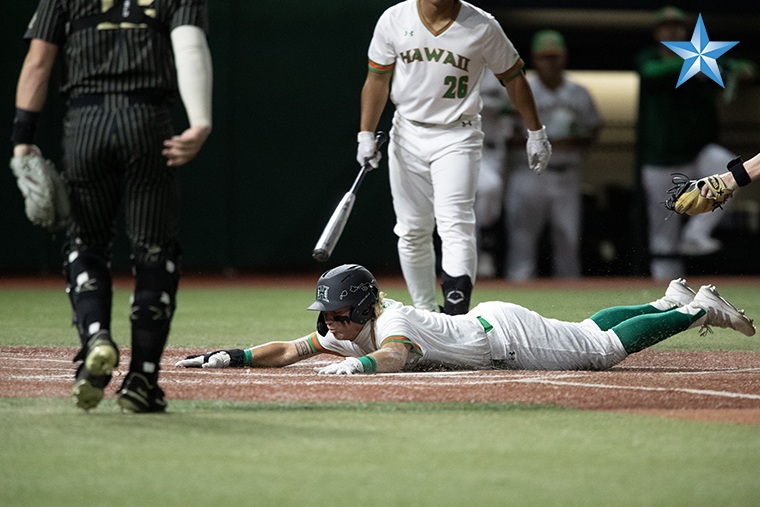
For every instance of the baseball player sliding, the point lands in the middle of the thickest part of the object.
(376, 334)
(429, 55)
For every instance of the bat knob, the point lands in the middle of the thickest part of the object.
(320, 255)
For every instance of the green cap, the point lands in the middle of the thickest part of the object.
(669, 14)
(548, 42)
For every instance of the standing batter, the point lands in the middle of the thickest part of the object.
(123, 63)
(434, 52)
(376, 334)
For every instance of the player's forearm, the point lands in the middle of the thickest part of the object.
(373, 100)
(278, 354)
(390, 359)
(751, 168)
(32, 88)
(521, 96)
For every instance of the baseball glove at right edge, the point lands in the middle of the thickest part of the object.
(46, 198)
(685, 196)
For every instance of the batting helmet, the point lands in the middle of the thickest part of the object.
(347, 285)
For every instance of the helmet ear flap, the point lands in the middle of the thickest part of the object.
(365, 309)
(321, 324)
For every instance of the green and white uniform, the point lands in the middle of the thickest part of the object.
(492, 335)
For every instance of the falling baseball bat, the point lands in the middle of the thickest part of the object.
(334, 228)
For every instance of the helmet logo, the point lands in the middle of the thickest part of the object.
(364, 287)
(322, 293)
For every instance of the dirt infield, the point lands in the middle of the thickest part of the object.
(710, 386)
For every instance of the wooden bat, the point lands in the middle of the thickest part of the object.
(334, 228)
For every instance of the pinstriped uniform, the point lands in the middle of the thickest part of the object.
(120, 81)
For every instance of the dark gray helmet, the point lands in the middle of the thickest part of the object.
(347, 285)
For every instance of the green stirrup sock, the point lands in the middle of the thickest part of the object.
(610, 317)
(643, 331)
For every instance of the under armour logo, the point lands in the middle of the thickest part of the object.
(467, 123)
(455, 296)
(409, 33)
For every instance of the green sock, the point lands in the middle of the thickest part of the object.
(643, 331)
(610, 317)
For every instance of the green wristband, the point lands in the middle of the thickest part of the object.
(369, 363)
(248, 357)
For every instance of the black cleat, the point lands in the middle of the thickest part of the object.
(94, 374)
(137, 395)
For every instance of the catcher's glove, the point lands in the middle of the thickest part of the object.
(46, 198)
(685, 196)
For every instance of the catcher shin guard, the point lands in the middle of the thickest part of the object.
(456, 294)
(152, 305)
(89, 288)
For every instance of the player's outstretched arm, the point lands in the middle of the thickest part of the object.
(268, 355)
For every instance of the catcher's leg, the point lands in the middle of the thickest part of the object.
(157, 272)
(151, 203)
(89, 287)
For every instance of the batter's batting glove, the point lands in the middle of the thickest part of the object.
(234, 358)
(348, 366)
(539, 150)
(366, 151)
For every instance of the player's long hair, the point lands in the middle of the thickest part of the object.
(379, 305)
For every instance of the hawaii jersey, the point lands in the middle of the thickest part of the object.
(436, 74)
(436, 339)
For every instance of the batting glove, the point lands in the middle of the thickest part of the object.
(349, 366)
(367, 152)
(539, 150)
(234, 358)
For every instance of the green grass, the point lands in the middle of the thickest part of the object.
(222, 453)
(219, 453)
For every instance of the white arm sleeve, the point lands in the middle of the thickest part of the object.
(194, 73)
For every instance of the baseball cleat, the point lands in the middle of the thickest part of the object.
(137, 395)
(679, 292)
(721, 313)
(94, 374)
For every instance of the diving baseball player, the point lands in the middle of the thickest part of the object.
(430, 56)
(376, 334)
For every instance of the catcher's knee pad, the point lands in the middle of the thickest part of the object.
(456, 293)
(89, 287)
(157, 274)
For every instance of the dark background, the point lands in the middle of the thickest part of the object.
(287, 81)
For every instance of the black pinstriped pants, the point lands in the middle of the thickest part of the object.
(112, 157)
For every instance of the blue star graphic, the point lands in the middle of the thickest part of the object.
(699, 54)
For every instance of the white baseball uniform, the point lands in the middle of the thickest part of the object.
(492, 335)
(436, 140)
(553, 197)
